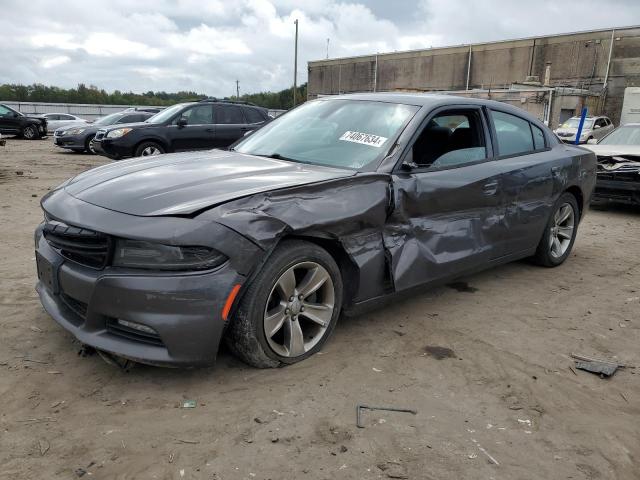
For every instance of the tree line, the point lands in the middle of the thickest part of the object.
(94, 95)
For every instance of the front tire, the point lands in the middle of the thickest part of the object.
(88, 148)
(290, 309)
(30, 132)
(560, 232)
(149, 149)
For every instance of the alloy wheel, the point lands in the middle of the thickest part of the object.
(299, 309)
(29, 133)
(562, 230)
(150, 151)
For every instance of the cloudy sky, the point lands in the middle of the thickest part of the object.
(205, 45)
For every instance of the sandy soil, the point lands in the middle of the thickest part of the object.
(506, 403)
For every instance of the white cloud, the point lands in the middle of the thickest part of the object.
(52, 62)
(208, 41)
(205, 45)
(113, 45)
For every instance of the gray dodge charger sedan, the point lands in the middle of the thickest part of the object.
(338, 205)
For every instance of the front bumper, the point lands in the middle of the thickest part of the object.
(618, 191)
(113, 148)
(184, 309)
(72, 142)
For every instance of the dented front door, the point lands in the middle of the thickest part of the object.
(444, 223)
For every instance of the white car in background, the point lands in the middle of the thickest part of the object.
(57, 120)
(618, 174)
(594, 128)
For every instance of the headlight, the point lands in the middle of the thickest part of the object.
(73, 131)
(139, 254)
(119, 132)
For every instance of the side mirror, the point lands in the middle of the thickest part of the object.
(182, 122)
(592, 141)
(16, 115)
(596, 126)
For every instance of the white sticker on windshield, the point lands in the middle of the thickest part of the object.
(363, 138)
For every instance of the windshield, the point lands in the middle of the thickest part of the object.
(339, 133)
(108, 120)
(623, 136)
(575, 122)
(165, 114)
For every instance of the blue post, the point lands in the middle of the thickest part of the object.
(583, 115)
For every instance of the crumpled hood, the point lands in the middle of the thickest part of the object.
(183, 183)
(42, 120)
(615, 150)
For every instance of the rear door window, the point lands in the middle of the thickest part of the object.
(253, 116)
(229, 115)
(513, 134)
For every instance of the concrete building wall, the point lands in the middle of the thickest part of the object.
(577, 60)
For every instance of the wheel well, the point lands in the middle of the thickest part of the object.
(349, 271)
(152, 140)
(576, 192)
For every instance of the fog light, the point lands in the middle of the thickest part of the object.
(137, 326)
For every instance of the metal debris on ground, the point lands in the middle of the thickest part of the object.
(360, 408)
(189, 404)
(604, 368)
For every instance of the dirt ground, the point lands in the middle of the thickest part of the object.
(505, 403)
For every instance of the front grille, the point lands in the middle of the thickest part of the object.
(80, 245)
(76, 306)
(620, 175)
(115, 328)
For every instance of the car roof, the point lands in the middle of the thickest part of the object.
(432, 100)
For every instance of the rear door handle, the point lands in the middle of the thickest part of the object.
(208, 129)
(490, 188)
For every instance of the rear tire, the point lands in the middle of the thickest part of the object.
(290, 308)
(149, 149)
(560, 233)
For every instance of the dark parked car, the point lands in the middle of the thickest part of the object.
(618, 177)
(78, 138)
(16, 123)
(333, 206)
(187, 126)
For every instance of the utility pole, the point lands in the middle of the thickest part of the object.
(327, 48)
(295, 67)
(237, 89)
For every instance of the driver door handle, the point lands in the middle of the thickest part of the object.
(490, 188)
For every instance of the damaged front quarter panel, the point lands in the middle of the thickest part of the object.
(346, 214)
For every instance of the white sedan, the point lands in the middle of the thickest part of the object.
(57, 120)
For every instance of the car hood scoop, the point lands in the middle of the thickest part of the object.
(184, 183)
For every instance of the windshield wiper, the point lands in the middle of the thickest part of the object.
(277, 156)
